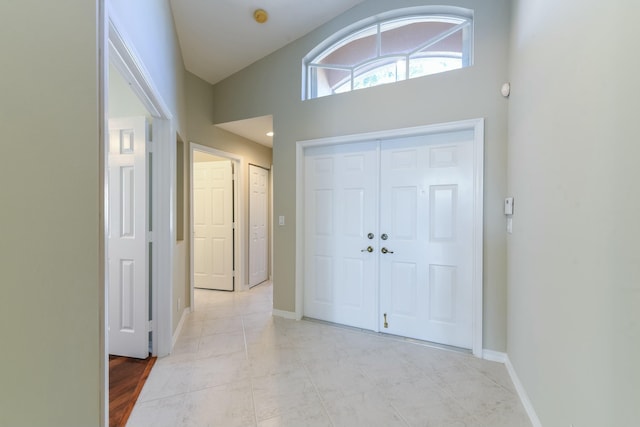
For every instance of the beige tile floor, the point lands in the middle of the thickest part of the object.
(236, 365)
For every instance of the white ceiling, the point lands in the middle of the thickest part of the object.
(220, 37)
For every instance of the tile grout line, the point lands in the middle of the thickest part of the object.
(246, 353)
(399, 414)
(322, 402)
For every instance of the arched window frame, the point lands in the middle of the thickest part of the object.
(462, 18)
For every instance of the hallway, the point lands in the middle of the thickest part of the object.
(236, 365)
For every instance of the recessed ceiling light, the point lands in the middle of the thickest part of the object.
(269, 133)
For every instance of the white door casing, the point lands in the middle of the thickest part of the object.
(340, 211)
(446, 203)
(127, 238)
(213, 225)
(258, 219)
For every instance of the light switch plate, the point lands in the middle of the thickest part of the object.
(508, 206)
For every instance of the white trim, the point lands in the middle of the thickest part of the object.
(494, 356)
(239, 242)
(271, 217)
(478, 234)
(178, 331)
(285, 314)
(103, 117)
(477, 125)
(125, 59)
(524, 398)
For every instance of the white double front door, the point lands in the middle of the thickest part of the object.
(389, 236)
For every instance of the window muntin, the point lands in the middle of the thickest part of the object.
(389, 51)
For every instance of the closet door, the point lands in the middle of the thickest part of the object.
(341, 209)
(426, 214)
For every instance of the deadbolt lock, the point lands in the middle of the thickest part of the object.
(370, 236)
(384, 237)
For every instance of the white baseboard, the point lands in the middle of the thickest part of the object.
(524, 398)
(494, 356)
(285, 314)
(176, 333)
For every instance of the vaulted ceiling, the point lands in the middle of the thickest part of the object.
(221, 37)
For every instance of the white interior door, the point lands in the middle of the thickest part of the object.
(127, 253)
(213, 225)
(341, 202)
(415, 196)
(258, 219)
(426, 213)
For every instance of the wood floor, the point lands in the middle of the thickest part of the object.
(126, 378)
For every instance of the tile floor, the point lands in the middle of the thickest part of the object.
(236, 365)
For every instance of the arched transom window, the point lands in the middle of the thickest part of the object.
(380, 51)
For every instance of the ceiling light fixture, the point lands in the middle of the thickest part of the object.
(269, 133)
(261, 16)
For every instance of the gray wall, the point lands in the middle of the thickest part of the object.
(573, 258)
(50, 301)
(273, 86)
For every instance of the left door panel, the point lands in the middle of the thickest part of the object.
(127, 238)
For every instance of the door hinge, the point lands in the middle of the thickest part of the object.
(150, 328)
(386, 324)
(233, 273)
(233, 225)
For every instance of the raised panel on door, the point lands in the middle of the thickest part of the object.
(258, 219)
(127, 238)
(426, 210)
(213, 225)
(340, 210)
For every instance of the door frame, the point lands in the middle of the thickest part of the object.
(163, 186)
(475, 125)
(239, 216)
(115, 49)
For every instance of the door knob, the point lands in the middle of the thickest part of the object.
(369, 249)
(386, 251)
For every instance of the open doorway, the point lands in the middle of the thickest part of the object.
(128, 220)
(217, 260)
(137, 169)
(259, 189)
(213, 222)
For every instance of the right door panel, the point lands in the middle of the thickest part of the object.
(426, 208)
